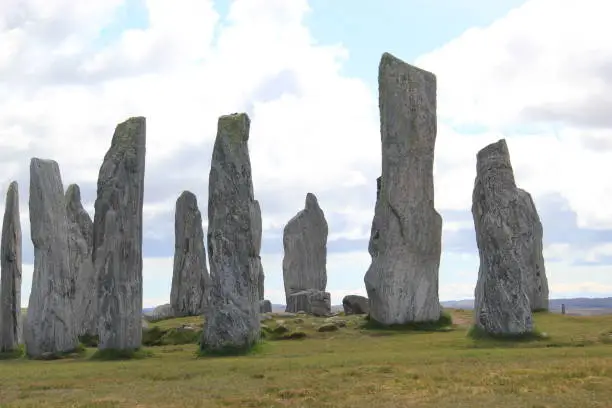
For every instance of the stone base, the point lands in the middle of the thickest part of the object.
(314, 302)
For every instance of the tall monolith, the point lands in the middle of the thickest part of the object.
(305, 255)
(402, 280)
(50, 326)
(190, 278)
(233, 319)
(257, 234)
(80, 247)
(503, 226)
(117, 238)
(10, 275)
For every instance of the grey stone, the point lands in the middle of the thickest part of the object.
(256, 223)
(117, 241)
(355, 304)
(10, 276)
(265, 306)
(50, 326)
(305, 247)
(190, 278)
(233, 318)
(164, 311)
(80, 247)
(312, 301)
(501, 305)
(402, 280)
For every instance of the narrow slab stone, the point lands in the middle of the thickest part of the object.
(501, 305)
(10, 276)
(190, 278)
(233, 318)
(355, 304)
(257, 235)
(402, 280)
(80, 247)
(117, 237)
(50, 327)
(305, 246)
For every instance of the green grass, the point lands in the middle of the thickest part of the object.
(355, 366)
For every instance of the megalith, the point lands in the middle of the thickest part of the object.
(402, 280)
(10, 275)
(305, 256)
(501, 305)
(257, 236)
(50, 326)
(190, 278)
(117, 237)
(233, 318)
(80, 247)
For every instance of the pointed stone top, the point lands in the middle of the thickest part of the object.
(129, 132)
(311, 201)
(493, 165)
(389, 61)
(235, 126)
(494, 152)
(187, 196)
(13, 188)
(73, 193)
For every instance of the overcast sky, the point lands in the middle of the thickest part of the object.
(538, 73)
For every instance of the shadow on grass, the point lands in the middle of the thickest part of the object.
(483, 339)
(232, 351)
(79, 352)
(15, 354)
(116, 354)
(443, 324)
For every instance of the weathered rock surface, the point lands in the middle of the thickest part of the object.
(402, 281)
(80, 247)
(305, 246)
(501, 305)
(355, 304)
(375, 231)
(117, 241)
(190, 278)
(257, 235)
(265, 306)
(10, 276)
(233, 318)
(160, 312)
(311, 301)
(51, 322)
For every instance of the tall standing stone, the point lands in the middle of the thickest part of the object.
(305, 257)
(117, 240)
(402, 280)
(503, 226)
(257, 234)
(80, 247)
(50, 326)
(10, 276)
(233, 320)
(190, 278)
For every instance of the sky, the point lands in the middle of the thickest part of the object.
(537, 73)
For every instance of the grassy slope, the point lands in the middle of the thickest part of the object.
(347, 368)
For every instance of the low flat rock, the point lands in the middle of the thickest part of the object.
(501, 305)
(190, 278)
(80, 247)
(233, 318)
(355, 304)
(402, 280)
(117, 237)
(10, 275)
(312, 301)
(305, 251)
(50, 327)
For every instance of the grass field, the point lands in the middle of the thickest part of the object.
(350, 367)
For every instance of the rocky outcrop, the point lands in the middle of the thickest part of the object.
(305, 245)
(233, 318)
(501, 305)
(265, 306)
(50, 327)
(355, 304)
(311, 301)
(80, 247)
(531, 250)
(117, 237)
(10, 275)
(190, 278)
(402, 280)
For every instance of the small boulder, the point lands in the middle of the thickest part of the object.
(355, 305)
(327, 327)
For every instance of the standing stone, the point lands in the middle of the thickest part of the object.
(375, 231)
(531, 249)
(501, 305)
(265, 306)
(190, 278)
(80, 247)
(402, 280)
(10, 277)
(117, 240)
(305, 259)
(50, 324)
(257, 233)
(233, 319)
